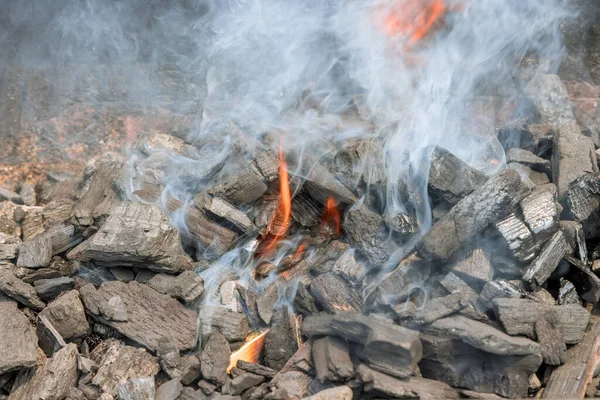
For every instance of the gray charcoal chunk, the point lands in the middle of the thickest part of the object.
(256, 369)
(332, 359)
(583, 203)
(518, 238)
(554, 349)
(67, 315)
(234, 325)
(281, 341)
(526, 157)
(187, 286)
(241, 383)
(35, 253)
(215, 359)
(169, 390)
(49, 289)
(17, 339)
(334, 295)
(474, 266)
(19, 291)
(137, 388)
(540, 215)
(366, 231)
(9, 195)
(542, 267)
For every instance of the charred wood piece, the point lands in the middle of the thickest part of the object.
(540, 215)
(583, 203)
(366, 231)
(542, 267)
(333, 294)
(474, 266)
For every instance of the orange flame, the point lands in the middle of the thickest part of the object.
(413, 19)
(332, 216)
(284, 209)
(249, 352)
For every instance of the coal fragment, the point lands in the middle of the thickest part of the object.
(169, 390)
(49, 289)
(233, 325)
(187, 286)
(332, 359)
(583, 203)
(542, 267)
(529, 159)
(215, 359)
(67, 315)
(552, 341)
(366, 231)
(222, 210)
(474, 266)
(18, 290)
(333, 294)
(540, 215)
(17, 339)
(49, 339)
(281, 341)
(351, 270)
(35, 253)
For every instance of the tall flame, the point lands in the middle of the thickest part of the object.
(284, 210)
(332, 216)
(413, 19)
(249, 352)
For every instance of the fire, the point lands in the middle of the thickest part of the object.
(412, 19)
(249, 352)
(332, 216)
(284, 209)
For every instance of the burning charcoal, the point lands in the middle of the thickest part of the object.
(583, 203)
(377, 383)
(304, 303)
(19, 291)
(337, 393)
(586, 282)
(118, 363)
(52, 379)
(187, 286)
(490, 202)
(305, 210)
(450, 178)
(461, 365)
(35, 253)
(215, 358)
(324, 258)
(518, 317)
(516, 134)
(551, 339)
(138, 226)
(256, 369)
(67, 315)
(17, 339)
(240, 189)
(266, 303)
(248, 300)
(567, 293)
(241, 383)
(500, 288)
(397, 285)
(571, 379)
(150, 315)
(333, 294)
(221, 209)
(360, 162)
(540, 215)
(169, 390)
(351, 270)
(543, 266)
(9, 195)
(366, 232)
(332, 360)
(475, 266)
(281, 341)
(233, 325)
(322, 185)
(137, 388)
(49, 289)
(529, 159)
(49, 339)
(437, 308)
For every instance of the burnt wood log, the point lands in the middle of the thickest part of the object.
(450, 178)
(518, 317)
(333, 294)
(472, 215)
(542, 267)
(571, 379)
(366, 231)
(332, 359)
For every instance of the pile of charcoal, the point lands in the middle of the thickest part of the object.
(112, 286)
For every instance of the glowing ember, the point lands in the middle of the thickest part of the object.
(249, 352)
(284, 210)
(412, 19)
(332, 216)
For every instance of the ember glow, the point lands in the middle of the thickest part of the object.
(249, 352)
(332, 217)
(413, 19)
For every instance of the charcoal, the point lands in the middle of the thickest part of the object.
(333, 294)
(571, 379)
(266, 164)
(335, 393)
(35, 253)
(518, 317)
(100, 197)
(542, 296)
(365, 230)
(542, 267)
(135, 234)
(304, 303)
(351, 270)
(281, 341)
(332, 359)
(49, 289)
(575, 238)
(118, 363)
(53, 379)
(324, 258)
(359, 162)
(402, 223)
(241, 383)
(305, 210)
(377, 383)
(551, 340)
(440, 210)
(67, 315)
(265, 304)
(136, 388)
(540, 215)
(530, 178)
(63, 237)
(187, 286)
(240, 189)
(567, 293)
(233, 325)
(17, 339)
(169, 390)
(123, 274)
(515, 134)
(489, 203)
(215, 359)
(460, 365)
(256, 369)
(438, 308)
(224, 211)
(248, 300)
(295, 377)
(450, 178)
(529, 159)
(19, 291)
(9, 195)
(322, 185)
(49, 339)
(150, 315)
(474, 266)
(585, 281)
(583, 203)
(500, 288)
(9, 247)
(453, 284)
(37, 220)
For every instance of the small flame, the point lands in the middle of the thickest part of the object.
(332, 216)
(284, 210)
(249, 352)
